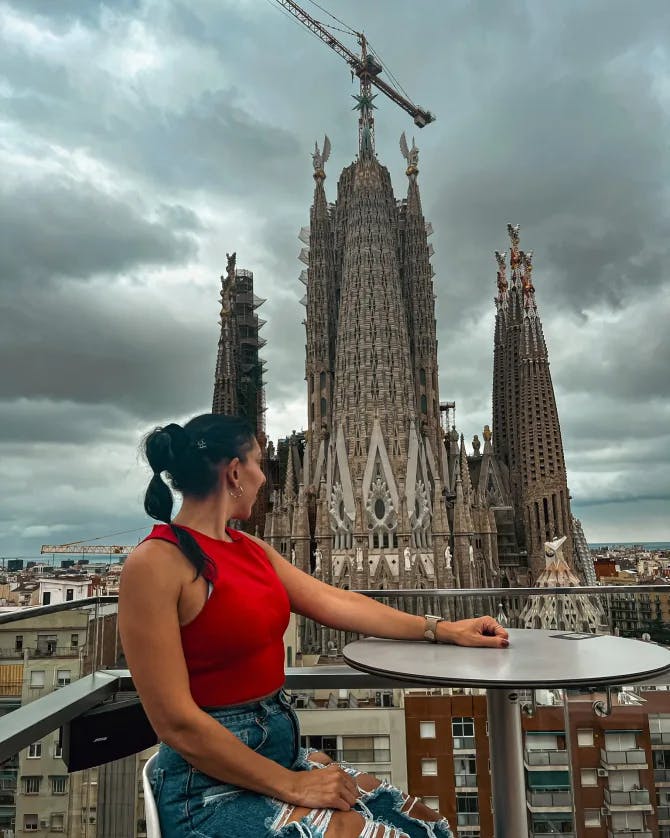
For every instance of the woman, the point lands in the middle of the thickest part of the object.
(202, 612)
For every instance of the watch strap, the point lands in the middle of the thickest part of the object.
(430, 629)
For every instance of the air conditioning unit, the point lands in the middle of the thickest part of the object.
(604, 811)
(603, 772)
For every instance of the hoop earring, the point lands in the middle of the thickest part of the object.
(237, 494)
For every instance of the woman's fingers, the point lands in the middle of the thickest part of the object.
(346, 787)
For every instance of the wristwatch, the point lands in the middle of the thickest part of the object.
(430, 630)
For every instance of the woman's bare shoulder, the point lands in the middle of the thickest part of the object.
(157, 559)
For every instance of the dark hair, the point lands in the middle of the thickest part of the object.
(191, 456)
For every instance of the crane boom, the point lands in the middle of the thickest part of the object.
(97, 549)
(366, 68)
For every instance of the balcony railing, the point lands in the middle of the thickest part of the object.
(549, 800)
(546, 758)
(627, 799)
(464, 743)
(10, 653)
(358, 755)
(635, 758)
(467, 819)
(629, 833)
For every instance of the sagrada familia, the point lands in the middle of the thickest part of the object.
(380, 491)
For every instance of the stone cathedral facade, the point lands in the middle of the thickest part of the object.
(380, 491)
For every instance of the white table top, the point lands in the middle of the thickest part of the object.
(534, 658)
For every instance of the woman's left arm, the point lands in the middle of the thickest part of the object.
(349, 611)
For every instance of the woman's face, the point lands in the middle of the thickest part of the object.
(251, 478)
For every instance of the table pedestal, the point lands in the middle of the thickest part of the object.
(510, 818)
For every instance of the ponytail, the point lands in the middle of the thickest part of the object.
(191, 456)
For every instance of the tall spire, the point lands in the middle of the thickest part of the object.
(419, 300)
(320, 304)
(373, 376)
(226, 375)
(365, 101)
(526, 430)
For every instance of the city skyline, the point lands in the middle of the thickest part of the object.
(142, 144)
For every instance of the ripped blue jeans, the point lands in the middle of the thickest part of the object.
(191, 803)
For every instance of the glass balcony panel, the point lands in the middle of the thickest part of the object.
(635, 797)
(545, 758)
(549, 799)
(623, 759)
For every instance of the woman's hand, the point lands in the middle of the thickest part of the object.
(323, 788)
(478, 631)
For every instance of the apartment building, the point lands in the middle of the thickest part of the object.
(39, 655)
(615, 768)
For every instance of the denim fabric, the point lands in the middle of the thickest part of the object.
(191, 803)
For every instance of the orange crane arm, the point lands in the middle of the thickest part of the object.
(99, 549)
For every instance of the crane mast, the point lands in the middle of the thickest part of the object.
(367, 68)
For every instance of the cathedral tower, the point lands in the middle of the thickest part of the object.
(526, 430)
(238, 378)
(372, 468)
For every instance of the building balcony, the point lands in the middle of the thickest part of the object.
(625, 801)
(11, 653)
(546, 760)
(467, 819)
(660, 741)
(663, 815)
(465, 781)
(549, 801)
(628, 833)
(623, 760)
(465, 743)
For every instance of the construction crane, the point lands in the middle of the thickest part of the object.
(96, 549)
(367, 67)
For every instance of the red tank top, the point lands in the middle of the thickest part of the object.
(234, 648)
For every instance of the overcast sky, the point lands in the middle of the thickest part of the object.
(141, 141)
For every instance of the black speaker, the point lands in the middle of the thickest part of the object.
(103, 734)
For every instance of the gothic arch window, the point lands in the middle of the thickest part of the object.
(424, 403)
(324, 407)
(322, 380)
(545, 506)
(422, 377)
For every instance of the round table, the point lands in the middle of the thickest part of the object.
(534, 659)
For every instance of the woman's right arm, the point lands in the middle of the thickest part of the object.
(151, 583)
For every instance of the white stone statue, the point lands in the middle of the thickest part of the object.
(447, 557)
(553, 550)
(318, 555)
(408, 562)
(359, 559)
(471, 554)
(292, 555)
(410, 154)
(320, 157)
